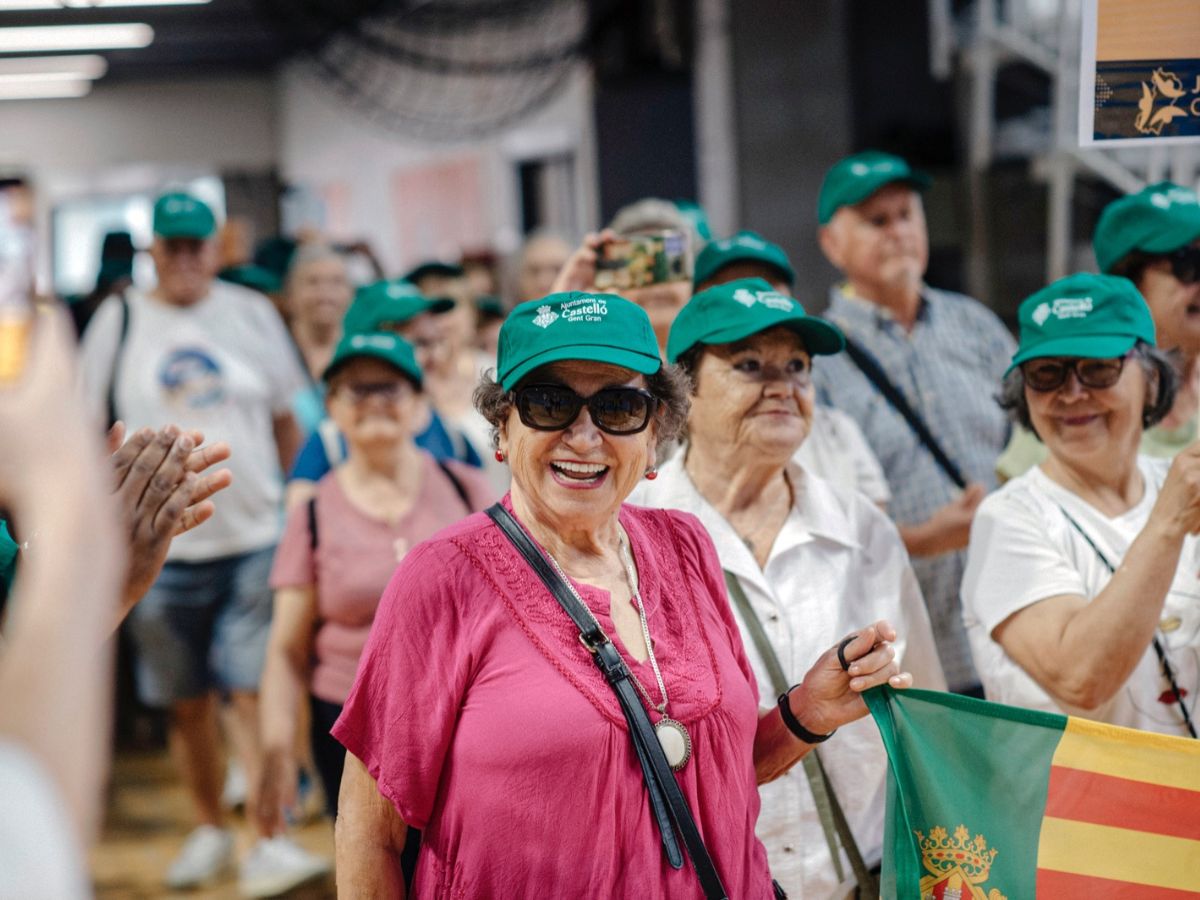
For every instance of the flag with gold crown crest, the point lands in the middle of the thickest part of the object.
(992, 802)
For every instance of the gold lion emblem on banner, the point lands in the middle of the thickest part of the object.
(958, 865)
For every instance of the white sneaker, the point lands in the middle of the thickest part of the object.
(207, 855)
(276, 865)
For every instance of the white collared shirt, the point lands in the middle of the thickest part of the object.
(837, 564)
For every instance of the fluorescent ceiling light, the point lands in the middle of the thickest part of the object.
(31, 68)
(44, 39)
(6, 5)
(44, 90)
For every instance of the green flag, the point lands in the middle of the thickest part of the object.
(987, 802)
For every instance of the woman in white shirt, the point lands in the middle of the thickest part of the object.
(1049, 624)
(812, 561)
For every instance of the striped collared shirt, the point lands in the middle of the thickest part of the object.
(948, 367)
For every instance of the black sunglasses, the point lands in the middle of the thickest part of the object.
(1045, 375)
(616, 410)
(1185, 264)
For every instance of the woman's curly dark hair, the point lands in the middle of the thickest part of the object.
(1160, 369)
(669, 384)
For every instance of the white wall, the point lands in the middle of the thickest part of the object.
(213, 123)
(128, 138)
(328, 148)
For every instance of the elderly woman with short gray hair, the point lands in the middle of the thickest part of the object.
(545, 681)
(1081, 581)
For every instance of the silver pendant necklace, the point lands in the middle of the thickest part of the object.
(672, 735)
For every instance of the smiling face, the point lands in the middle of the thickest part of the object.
(372, 403)
(1079, 424)
(754, 397)
(578, 477)
(881, 244)
(1175, 307)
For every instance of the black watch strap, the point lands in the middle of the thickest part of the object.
(794, 726)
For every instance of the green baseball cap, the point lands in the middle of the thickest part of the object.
(390, 300)
(254, 277)
(745, 246)
(180, 215)
(1157, 219)
(576, 325)
(738, 309)
(391, 348)
(853, 179)
(1083, 315)
(434, 267)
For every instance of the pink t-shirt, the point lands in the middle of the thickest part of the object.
(486, 723)
(355, 558)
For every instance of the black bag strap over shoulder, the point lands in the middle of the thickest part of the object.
(870, 367)
(1163, 662)
(667, 802)
(111, 396)
(458, 485)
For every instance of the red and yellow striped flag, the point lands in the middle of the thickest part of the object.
(988, 802)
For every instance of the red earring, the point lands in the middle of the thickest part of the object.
(651, 474)
(499, 456)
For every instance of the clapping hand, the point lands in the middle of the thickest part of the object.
(163, 482)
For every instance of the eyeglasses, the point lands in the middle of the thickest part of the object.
(361, 392)
(1185, 264)
(797, 371)
(615, 410)
(1044, 375)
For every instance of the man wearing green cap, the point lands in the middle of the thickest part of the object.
(215, 357)
(938, 353)
(1153, 239)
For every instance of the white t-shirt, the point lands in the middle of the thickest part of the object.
(224, 365)
(39, 852)
(837, 451)
(1023, 549)
(837, 564)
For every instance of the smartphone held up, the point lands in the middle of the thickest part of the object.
(642, 260)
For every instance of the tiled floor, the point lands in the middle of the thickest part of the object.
(147, 821)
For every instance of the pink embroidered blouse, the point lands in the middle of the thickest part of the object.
(486, 723)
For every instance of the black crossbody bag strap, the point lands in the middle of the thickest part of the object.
(869, 366)
(1165, 663)
(667, 802)
(110, 398)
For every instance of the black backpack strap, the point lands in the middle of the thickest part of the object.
(870, 367)
(111, 397)
(458, 485)
(313, 540)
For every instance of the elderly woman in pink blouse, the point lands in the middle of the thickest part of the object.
(479, 716)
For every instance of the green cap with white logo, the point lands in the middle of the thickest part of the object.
(1083, 315)
(391, 300)
(743, 247)
(738, 309)
(853, 179)
(575, 325)
(180, 215)
(1158, 219)
(391, 348)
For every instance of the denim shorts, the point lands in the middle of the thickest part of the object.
(203, 626)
